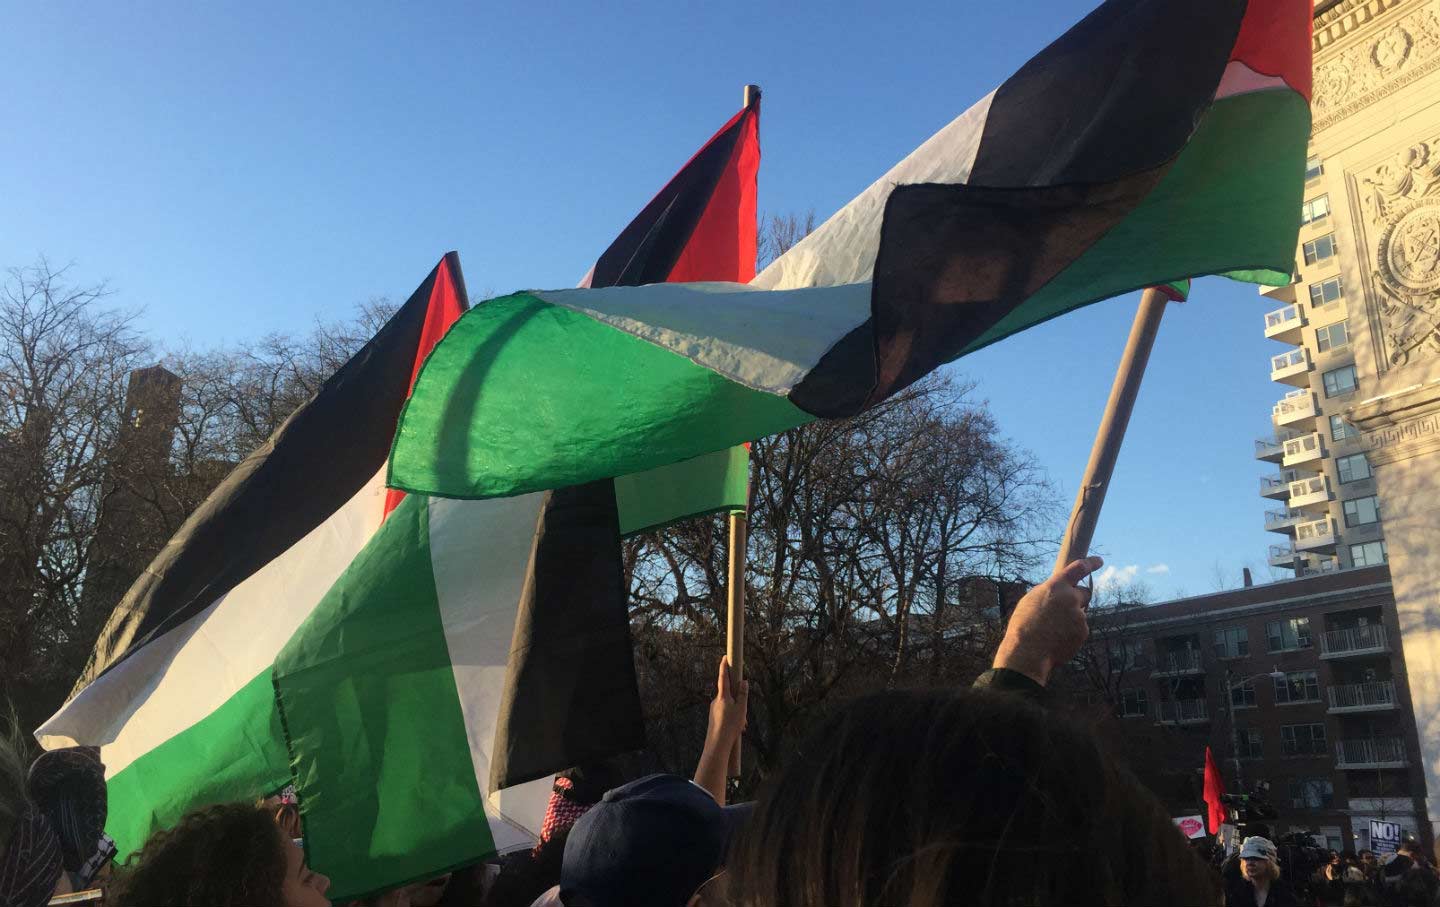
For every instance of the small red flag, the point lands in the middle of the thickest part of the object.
(1214, 790)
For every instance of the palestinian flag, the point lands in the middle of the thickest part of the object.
(1153, 142)
(179, 694)
(419, 700)
(701, 226)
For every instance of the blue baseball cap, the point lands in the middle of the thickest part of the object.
(649, 843)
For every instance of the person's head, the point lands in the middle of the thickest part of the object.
(30, 858)
(1333, 857)
(650, 843)
(1259, 861)
(1410, 848)
(219, 856)
(1367, 859)
(926, 798)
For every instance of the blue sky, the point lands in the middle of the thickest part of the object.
(235, 169)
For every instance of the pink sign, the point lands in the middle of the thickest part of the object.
(1192, 826)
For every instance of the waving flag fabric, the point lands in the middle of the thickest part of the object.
(1153, 142)
(178, 695)
(473, 647)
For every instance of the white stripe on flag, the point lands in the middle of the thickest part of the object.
(842, 250)
(480, 555)
(767, 341)
(180, 678)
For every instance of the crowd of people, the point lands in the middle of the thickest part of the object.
(907, 797)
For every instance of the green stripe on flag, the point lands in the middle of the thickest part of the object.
(237, 752)
(367, 695)
(710, 483)
(469, 429)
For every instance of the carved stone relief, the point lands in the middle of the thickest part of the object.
(1401, 203)
(1373, 68)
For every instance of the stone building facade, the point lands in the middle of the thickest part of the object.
(1364, 318)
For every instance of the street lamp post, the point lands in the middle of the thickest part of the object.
(1230, 687)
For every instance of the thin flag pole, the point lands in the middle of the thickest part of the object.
(1106, 450)
(735, 607)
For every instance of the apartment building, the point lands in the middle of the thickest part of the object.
(1300, 684)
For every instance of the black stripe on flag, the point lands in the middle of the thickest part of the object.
(316, 461)
(1072, 143)
(570, 690)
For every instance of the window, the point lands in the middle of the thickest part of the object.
(1285, 635)
(1324, 292)
(1339, 381)
(1311, 793)
(1352, 468)
(1368, 554)
(1242, 696)
(1302, 740)
(1232, 642)
(1298, 686)
(1134, 704)
(1319, 249)
(1247, 744)
(1313, 169)
(1317, 208)
(1332, 336)
(1362, 511)
(1340, 429)
(1126, 654)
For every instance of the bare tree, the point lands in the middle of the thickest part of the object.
(106, 454)
(780, 232)
(64, 359)
(883, 551)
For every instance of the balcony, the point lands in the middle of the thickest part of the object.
(1367, 640)
(1285, 324)
(1177, 664)
(1183, 711)
(1317, 536)
(1281, 556)
(1283, 520)
(1275, 487)
(1298, 410)
(1279, 294)
(1312, 494)
(1271, 450)
(1374, 753)
(1304, 449)
(1291, 368)
(1375, 696)
(1319, 567)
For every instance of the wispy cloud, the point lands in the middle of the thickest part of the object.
(1158, 569)
(1116, 576)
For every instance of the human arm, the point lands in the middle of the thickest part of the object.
(1046, 629)
(727, 722)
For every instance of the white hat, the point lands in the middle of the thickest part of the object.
(1258, 848)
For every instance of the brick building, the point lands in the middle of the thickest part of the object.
(1318, 701)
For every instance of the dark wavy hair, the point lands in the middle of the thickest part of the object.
(926, 798)
(219, 856)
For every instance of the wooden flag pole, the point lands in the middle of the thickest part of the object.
(735, 617)
(735, 607)
(1091, 496)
